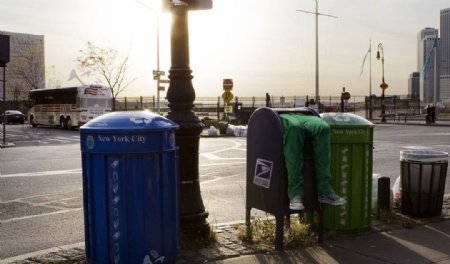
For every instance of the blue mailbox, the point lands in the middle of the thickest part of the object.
(130, 188)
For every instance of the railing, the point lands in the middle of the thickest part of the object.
(397, 107)
(212, 108)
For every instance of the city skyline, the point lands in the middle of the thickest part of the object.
(263, 47)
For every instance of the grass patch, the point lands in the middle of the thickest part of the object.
(262, 233)
(394, 217)
(199, 239)
(386, 216)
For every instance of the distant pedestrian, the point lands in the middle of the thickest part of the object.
(268, 103)
(431, 114)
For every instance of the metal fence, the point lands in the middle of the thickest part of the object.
(396, 107)
(212, 108)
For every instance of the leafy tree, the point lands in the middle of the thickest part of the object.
(109, 64)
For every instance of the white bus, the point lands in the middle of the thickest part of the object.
(68, 107)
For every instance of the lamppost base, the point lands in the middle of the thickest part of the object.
(195, 231)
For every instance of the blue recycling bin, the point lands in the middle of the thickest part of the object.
(130, 188)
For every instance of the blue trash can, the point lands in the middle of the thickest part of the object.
(130, 188)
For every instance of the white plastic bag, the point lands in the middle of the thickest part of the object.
(397, 193)
(375, 178)
(212, 131)
(237, 131)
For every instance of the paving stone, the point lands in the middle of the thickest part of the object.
(228, 253)
(211, 254)
(71, 254)
(26, 261)
(48, 258)
(228, 244)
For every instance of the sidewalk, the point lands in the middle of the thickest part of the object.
(405, 240)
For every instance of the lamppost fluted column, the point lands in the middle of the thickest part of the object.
(317, 55)
(383, 84)
(181, 96)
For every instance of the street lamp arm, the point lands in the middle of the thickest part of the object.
(314, 13)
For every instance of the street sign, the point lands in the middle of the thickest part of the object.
(228, 109)
(159, 73)
(4, 49)
(227, 96)
(345, 95)
(164, 81)
(161, 88)
(227, 84)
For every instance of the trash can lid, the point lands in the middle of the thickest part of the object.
(345, 119)
(423, 155)
(134, 120)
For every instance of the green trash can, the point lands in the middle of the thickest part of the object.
(351, 171)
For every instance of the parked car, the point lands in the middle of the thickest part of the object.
(13, 116)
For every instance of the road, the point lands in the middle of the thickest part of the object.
(41, 193)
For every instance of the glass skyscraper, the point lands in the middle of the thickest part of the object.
(426, 63)
(444, 55)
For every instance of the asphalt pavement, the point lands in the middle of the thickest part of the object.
(399, 239)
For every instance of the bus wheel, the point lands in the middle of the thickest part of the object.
(32, 122)
(62, 123)
(69, 123)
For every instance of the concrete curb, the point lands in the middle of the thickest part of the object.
(37, 254)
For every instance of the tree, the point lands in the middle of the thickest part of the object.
(52, 77)
(27, 72)
(109, 64)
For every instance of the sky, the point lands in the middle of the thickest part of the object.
(265, 46)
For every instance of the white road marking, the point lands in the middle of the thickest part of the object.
(218, 179)
(211, 156)
(78, 171)
(41, 173)
(221, 164)
(38, 215)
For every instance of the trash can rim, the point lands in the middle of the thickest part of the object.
(133, 120)
(346, 120)
(423, 155)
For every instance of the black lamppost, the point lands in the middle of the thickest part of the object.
(383, 85)
(181, 96)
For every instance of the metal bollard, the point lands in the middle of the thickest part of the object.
(384, 193)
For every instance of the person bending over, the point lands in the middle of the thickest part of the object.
(296, 127)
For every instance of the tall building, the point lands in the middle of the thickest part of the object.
(26, 67)
(444, 55)
(426, 63)
(414, 85)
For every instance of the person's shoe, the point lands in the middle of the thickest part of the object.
(296, 203)
(332, 199)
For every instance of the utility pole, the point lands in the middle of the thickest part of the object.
(370, 80)
(317, 14)
(4, 59)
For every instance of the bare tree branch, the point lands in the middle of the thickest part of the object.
(109, 64)
(30, 70)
